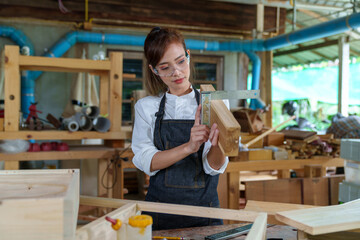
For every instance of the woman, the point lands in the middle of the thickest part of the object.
(181, 156)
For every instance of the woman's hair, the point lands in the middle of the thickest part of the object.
(155, 46)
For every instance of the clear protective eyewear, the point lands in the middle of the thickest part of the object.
(168, 70)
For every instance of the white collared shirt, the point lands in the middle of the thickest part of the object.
(183, 107)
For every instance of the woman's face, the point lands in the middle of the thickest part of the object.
(174, 69)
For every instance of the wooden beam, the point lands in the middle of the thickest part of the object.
(306, 48)
(66, 135)
(271, 208)
(258, 229)
(116, 87)
(343, 78)
(62, 64)
(187, 210)
(238, 165)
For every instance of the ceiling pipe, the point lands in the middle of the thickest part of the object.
(321, 30)
(27, 82)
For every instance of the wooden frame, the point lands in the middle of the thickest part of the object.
(39, 204)
(101, 230)
(111, 75)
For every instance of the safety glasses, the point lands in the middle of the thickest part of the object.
(168, 70)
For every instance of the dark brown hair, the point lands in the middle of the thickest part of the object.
(155, 46)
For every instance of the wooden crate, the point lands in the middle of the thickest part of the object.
(39, 204)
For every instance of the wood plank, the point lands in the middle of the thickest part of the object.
(125, 133)
(316, 191)
(236, 166)
(271, 208)
(257, 154)
(280, 190)
(229, 214)
(323, 220)
(75, 152)
(228, 127)
(62, 64)
(234, 190)
(312, 171)
(116, 85)
(12, 88)
(104, 90)
(258, 229)
(334, 188)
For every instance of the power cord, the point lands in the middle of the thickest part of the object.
(114, 161)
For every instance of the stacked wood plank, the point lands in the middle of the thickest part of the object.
(306, 144)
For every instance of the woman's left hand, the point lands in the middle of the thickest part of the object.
(214, 135)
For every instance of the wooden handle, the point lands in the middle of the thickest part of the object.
(264, 134)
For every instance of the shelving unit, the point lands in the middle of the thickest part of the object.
(111, 84)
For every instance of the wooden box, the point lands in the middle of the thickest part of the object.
(39, 204)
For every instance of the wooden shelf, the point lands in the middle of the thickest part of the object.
(266, 165)
(66, 135)
(75, 152)
(62, 64)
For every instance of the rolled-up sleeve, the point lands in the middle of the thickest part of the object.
(142, 141)
(207, 168)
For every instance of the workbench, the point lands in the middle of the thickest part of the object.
(199, 233)
(229, 183)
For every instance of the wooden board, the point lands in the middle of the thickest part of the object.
(258, 229)
(280, 190)
(228, 127)
(62, 64)
(39, 204)
(229, 214)
(323, 220)
(257, 154)
(271, 208)
(296, 134)
(316, 191)
(125, 133)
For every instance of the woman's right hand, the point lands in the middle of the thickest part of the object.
(199, 134)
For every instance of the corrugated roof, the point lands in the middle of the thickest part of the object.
(319, 50)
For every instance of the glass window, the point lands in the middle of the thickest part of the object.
(133, 66)
(205, 71)
(129, 86)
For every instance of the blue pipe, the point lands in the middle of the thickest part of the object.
(329, 28)
(255, 103)
(27, 83)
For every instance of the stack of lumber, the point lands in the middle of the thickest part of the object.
(307, 144)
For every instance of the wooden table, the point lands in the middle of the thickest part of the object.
(103, 153)
(229, 183)
(197, 233)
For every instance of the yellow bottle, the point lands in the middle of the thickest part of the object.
(139, 227)
(119, 227)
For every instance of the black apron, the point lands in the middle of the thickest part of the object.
(185, 182)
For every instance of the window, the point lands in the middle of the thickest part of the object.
(207, 70)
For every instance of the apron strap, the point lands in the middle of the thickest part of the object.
(159, 116)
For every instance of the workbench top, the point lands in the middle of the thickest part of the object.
(199, 233)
